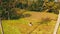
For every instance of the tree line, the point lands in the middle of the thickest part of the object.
(9, 8)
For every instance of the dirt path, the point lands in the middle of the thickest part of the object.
(57, 24)
(1, 27)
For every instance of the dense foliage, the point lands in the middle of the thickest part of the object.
(9, 8)
(6, 9)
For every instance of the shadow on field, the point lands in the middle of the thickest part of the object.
(16, 17)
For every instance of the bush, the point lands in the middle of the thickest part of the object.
(52, 6)
(36, 6)
(45, 20)
(16, 13)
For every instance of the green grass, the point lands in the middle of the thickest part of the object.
(58, 30)
(16, 21)
(9, 27)
(21, 26)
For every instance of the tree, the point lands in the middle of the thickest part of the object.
(36, 5)
(7, 6)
